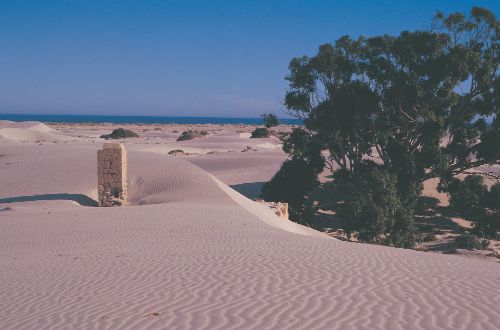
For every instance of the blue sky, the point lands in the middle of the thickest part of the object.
(184, 58)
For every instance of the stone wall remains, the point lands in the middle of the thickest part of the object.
(280, 209)
(112, 174)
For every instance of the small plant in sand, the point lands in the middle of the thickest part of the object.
(471, 242)
(189, 135)
(119, 133)
(177, 152)
(260, 132)
(270, 120)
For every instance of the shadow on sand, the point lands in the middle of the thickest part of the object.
(250, 190)
(79, 198)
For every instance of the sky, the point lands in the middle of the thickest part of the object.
(178, 58)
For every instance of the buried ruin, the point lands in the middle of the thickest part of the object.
(112, 174)
(112, 179)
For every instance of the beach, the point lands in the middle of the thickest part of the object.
(193, 250)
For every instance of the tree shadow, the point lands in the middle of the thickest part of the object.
(79, 198)
(250, 190)
(432, 218)
(426, 205)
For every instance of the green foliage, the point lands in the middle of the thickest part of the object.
(415, 101)
(468, 196)
(471, 242)
(300, 144)
(487, 224)
(297, 177)
(176, 152)
(291, 184)
(493, 198)
(399, 95)
(270, 120)
(119, 133)
(472, 198)
(373, 209)
(189, 135)
(260, 132)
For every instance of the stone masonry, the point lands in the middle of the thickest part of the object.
(280, 209)
(112, 174)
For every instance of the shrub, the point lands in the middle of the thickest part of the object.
(487, 224)
(290, 184)
(373, 208)
(260, 132)
(471, 242)
(189, 135)
(428, 238)
(176, 152)
(120, 133)
(270, 120)
(472, 198)
(467, 196)
(493, 198)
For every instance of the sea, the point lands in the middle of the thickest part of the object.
(141, 119)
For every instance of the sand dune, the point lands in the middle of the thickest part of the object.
(191, 253)
(29, 131)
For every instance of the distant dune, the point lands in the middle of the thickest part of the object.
(29, 131)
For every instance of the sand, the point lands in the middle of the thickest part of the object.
(190, 252)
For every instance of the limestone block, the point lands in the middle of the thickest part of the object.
(112, 174)
(280, 209)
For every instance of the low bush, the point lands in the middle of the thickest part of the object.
(260, 132)
(471, 242)
(373, 208)
(270, 120)
(472, 198)
(119, 133)
(428, 238)
(176, 152)
(189, 135)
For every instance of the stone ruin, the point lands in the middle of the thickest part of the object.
(112, 174)
(280, 209)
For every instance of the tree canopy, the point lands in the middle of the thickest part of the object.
(270, 120)
(415, 105)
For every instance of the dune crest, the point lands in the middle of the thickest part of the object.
(29, 131)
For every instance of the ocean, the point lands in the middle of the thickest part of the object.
(140, 119)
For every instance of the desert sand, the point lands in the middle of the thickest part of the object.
(191, 252)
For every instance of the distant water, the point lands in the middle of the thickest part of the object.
(140, 119)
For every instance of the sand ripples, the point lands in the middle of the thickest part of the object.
(200, 260)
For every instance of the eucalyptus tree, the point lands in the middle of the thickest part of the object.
(396, 111)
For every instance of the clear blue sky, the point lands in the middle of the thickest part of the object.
(206, 58)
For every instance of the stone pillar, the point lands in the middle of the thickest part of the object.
(112, 174)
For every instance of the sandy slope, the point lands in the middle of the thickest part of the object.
(198, 255)
(29, 131)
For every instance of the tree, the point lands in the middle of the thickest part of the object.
(270, 120)
(472, 198)
(297, 176)
(373, 209)
(414, 103)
